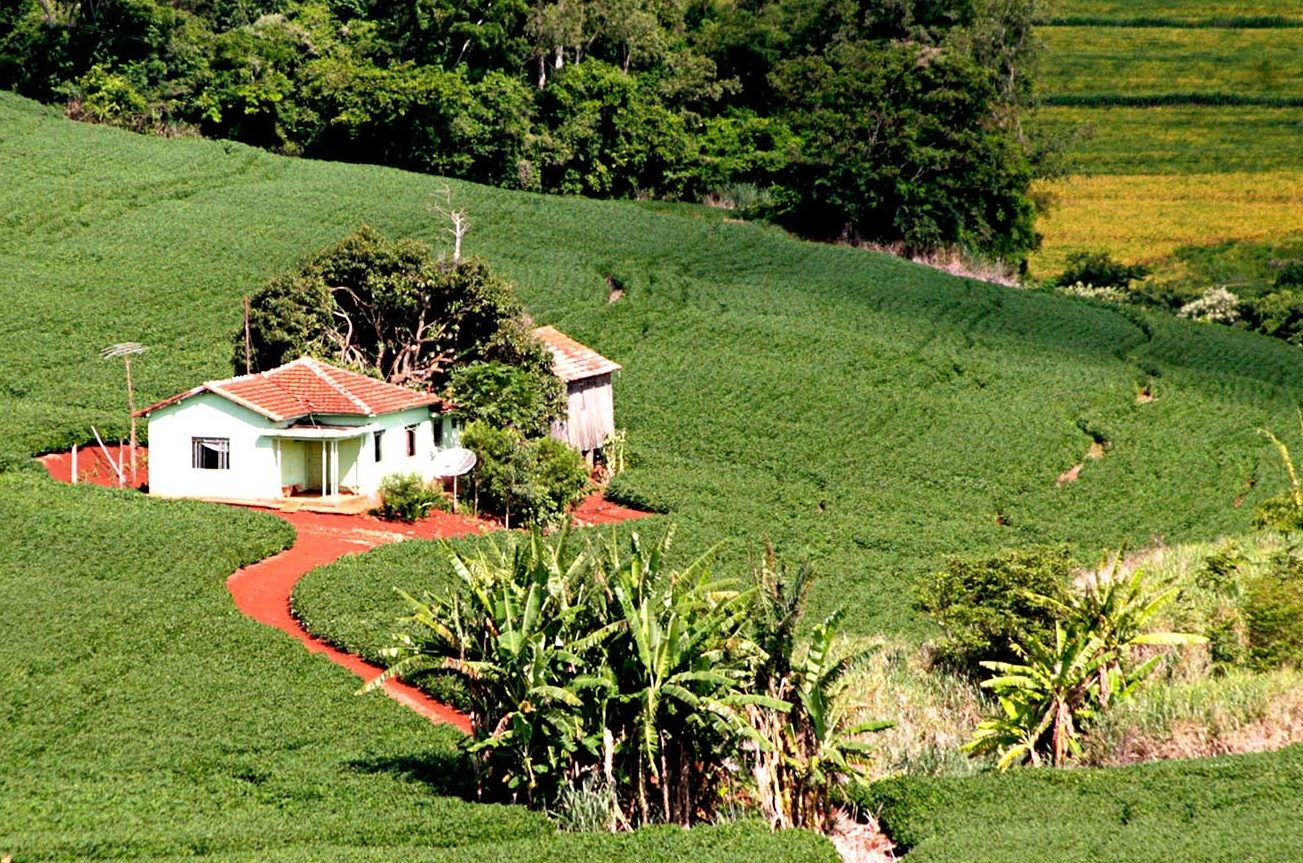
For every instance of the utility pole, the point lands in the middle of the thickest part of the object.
(127, 350)
(248, 341)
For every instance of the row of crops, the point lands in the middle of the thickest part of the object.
(857, 410)
(1194, 106)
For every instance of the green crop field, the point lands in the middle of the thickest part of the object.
(145, 718)
(866, 413)
(1170, 96)
(1178, 139)
(1112, 63)
(1178, 12)
(1223, 809)
(855, 409)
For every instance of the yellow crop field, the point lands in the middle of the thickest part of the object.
(1145, 217)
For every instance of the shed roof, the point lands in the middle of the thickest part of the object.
(305, 387)
(572, 361)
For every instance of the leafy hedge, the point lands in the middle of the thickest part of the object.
(1232, 808)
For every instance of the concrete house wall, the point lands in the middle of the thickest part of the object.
(264, 466)
(253, 474)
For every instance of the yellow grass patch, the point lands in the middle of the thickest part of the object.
(1144, 218)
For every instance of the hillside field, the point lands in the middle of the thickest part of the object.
(864, 412)
(1185, 128)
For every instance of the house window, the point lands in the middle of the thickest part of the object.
(411, 440)
(375, 443)
(210, 453)
(437, 427)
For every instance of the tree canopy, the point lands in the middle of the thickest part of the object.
(894, 122)
(392, 309)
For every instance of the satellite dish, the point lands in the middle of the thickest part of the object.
(453, 462)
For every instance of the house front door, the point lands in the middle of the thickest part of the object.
(315, 467)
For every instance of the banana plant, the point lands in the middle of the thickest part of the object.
(1044, 701)
(1120, 611)
(811, 747)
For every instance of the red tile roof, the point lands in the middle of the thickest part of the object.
(572, 361)
(307, 386)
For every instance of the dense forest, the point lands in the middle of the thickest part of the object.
(893, 121)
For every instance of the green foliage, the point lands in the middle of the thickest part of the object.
(531, 481)
(609, 98)
(504, 396)
(391, 309)
(406, 497)
(813, 747)
(1274, 609)
(1240, 807)
(1100, 270)
(985, 606)
(1285, 512)
(963, 397)
(617, 691)
(597, 662)
(1058, 688)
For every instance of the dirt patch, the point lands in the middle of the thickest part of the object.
(1144, 396)
(263, 591)
(94, 468)
(861, 841)
(1071, 474)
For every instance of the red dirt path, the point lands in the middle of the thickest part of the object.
(263, 590)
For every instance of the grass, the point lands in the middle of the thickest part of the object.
(1243, 808)
(145, 718)
(880, 415)
(1179, 139)
(1245, 64)
(1147, 218)
(862, 411)
(1176, 12)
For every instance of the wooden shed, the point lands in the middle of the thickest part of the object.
(590, 412)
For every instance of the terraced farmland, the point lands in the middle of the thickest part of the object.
(1171, 98)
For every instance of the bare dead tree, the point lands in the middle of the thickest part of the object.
(127, 350)
(459, 219)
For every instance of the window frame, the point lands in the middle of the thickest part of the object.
(220, 446)
(376, 449)
(411, 439)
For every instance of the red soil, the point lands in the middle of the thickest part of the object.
(262, 591)
(92, 467)
(595, 510)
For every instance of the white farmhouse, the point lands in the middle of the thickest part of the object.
(590, 399)
(306, 433)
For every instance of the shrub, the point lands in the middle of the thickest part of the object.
(984, 605)
(1291, 275)
(1100, 270)
(406, 497)
(1279, 314)
(1216, 305)
(506, 396)
(1274, 609)
(530, 481)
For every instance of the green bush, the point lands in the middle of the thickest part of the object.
(529, 482)
(1100, 270)
(507, 396)
(406, 497)
(983, 607)
(1274, 609)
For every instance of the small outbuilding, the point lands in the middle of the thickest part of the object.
(306, 431)
(590, 400)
